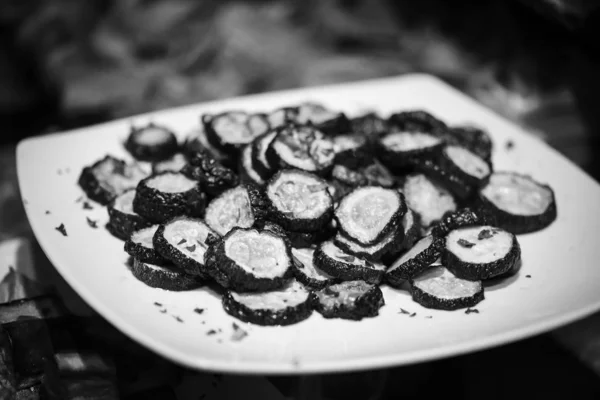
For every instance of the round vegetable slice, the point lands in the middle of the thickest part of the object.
(306, 271)
(517, 202)
(197, 142)
(250, 260)
(330, 258)
(439, 288)
(141, 247)
(123, 221)
(427, 198)
(109, 177)
(285, 306)
(151, 143)
(352, 300)
(367, 214)
(302, 147)
(414, 261)
(240, 207)
(480, 252)
(164, 276)
(299, 200)
(183, 241)
(230, 131)
(162, 197)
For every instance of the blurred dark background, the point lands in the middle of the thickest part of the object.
(68, 63)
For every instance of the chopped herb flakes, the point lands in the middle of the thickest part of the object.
(92, 223)
(198, 310)
(178, 319)
(485, 234)
(47, 212)
(87, 206)
(211, 332)
(238, 333)
(61, 228)
(157, 304)
(509, 145)
(182, 241)
(527, 276)
(403, 311)
(465, 243)
(471, 310)
(413, 314)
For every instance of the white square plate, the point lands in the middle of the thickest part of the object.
(564, 282)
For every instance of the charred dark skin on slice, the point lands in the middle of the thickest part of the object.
(287, 316)
(212, 175)
(417, 120)
(475, 139)
(171, 279)
(171, 253)
(229, 275)
(291, 223)
(346, 271)
(429, 301)
(152, 152)
(143, 253)
(482, 271)
(365, 306)
(159, 207)
(122, 224)
(93, 187)
(518, 224)
(431, 167)
(460, 218)
(416, 265)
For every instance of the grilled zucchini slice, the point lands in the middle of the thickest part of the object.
(330, 258)
(247, 260)
(440, 289)
(369, 213)
(246, 168)
(287, 305)
(299, 201)
(467, 166)
(370, 125)
(480, 252)
(414, 261)
(402, 150)
(162, 197)
(230, 131)
(151, 143)
(183, 241)
(327, 121)
(301, 147)
(109, 177)
(164, 276)
(352, 300)
(517, 202)
(417, 121)
(460, 218)
(307, 273)
(141, 247)
(122, 219)
(214, 177)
